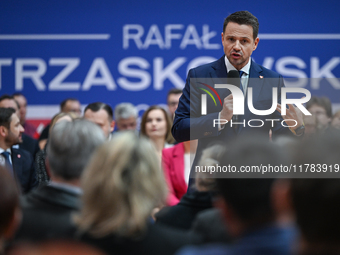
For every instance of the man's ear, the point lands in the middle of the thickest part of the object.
(112, 126)
(3, 131)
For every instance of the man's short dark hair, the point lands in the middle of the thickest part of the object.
(63, 103)
(250, 198)
(316, 202)
(243, 18)
(95, 107)
(6, 116)
(323, 102)
(174, 91)
(9, 97)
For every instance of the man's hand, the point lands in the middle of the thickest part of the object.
(227, 110)
(292, 113)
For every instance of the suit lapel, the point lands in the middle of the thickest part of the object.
(255, 80)
(16, 163)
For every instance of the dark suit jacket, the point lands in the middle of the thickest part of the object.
(47, 214)
(182, 215)
(189, 124)
(23, 167)
(155, 241)
(29, 144)
(173, 166)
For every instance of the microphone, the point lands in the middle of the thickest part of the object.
(234, 79)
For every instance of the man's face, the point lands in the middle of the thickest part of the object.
(101, 118)
(238, 44)
(320, 113)
(23, 107)
(72, 106)
(15, 131)
(173, 100)
(127, 124)
(10, 103)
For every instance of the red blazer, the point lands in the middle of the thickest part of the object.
(173, 167)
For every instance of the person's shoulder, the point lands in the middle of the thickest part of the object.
(208, 66)
(267, 73)
(21, 153)
(211, 249)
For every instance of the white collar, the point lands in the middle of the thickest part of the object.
(8, 150)
(229, 66)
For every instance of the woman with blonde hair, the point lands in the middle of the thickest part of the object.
(156, 125)
(121, 186)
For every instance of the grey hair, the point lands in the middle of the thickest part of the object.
(125, 111)
(70, 145)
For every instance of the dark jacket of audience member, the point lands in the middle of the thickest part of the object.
(246, 204)
(47, 211)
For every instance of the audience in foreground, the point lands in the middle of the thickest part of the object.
(119, 195)
(47, 210)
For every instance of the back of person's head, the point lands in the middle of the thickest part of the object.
(70, 146)
(95, 107)
(125, 111)
(249, 198)
(70, 116)
(211, 156)
(125, 174)
(316, 201)
(9, 204)
(323, 102)
(243, 18)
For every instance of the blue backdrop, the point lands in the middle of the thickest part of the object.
(135, 51)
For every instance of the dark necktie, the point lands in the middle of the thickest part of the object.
(241, 73)
(7, 161)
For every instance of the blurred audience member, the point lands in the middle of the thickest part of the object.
(40, 160)
(316, 201)
(311, 126)
(10, 212)
(119, 195)
(67, 105)
(18, 161)
(126, 116)
(102, 115)
(28, 143)
(321, 108)
(22, 101)
(246, 203)
(54, 247)
(183, 214)
(173, 100)
(156, 125)
(47, 210)
(336, 120)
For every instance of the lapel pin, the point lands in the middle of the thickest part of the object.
(261, 76)
(19, 156)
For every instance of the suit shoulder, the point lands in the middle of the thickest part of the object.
(204, 68)
(267, 72)
(23, 153)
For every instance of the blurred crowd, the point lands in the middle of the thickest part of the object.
(98, 182)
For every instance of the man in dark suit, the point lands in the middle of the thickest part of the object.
(28, 143)
(19, 162)
(239, 40)
(47, 210)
